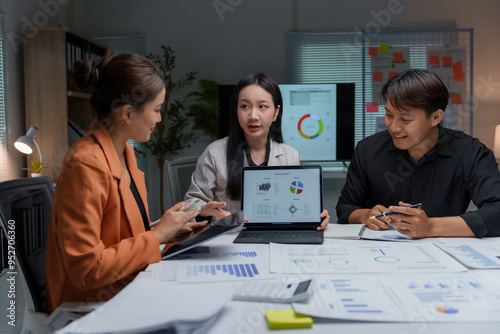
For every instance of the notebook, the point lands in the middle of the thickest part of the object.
(282, 204)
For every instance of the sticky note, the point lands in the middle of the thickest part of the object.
(397, 57)
(378, 76)
(457, 68)
(458, 77)
(456, 99)
(392, 74)
(287, 319)
(371, 107)
(384, 47)
(373, 51)
(434, 60)
(447, 61)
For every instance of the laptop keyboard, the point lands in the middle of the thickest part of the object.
(278, 234)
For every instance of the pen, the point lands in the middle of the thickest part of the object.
(190, 206)
(392, 212)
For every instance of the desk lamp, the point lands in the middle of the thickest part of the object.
(24, 143)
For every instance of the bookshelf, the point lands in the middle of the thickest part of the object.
(50, 100)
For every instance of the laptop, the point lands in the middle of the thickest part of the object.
(282, 204)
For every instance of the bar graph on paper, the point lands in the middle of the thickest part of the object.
(471, 296)
(216, 272)
(479, 255)
(255, 252)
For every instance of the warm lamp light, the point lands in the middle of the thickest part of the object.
(24, 144)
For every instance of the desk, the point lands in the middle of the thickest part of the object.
(248, 317)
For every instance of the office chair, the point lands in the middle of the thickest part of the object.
(25, 209)
(178, 174)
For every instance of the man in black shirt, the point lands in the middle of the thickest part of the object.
(418, 161)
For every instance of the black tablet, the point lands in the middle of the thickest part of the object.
(206, 233)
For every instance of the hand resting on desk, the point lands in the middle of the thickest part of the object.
(381, 223)
(415, 223)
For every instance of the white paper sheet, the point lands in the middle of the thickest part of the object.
(452, 297)
(356, 256)
(385, 235)
(344, 231)
(146, 305)
(214, 263)
(233, 252)
(218, 271)
(474, 253)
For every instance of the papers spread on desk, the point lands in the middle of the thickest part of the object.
(473, 253)
(451, 297)
(146, 305)
(354, 256)
(214, 264)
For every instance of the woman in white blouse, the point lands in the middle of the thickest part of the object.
(255, 139)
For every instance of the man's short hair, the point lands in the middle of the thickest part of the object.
(416, 88)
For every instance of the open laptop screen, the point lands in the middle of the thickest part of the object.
(282, 195)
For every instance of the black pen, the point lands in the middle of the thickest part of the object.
(392, 212)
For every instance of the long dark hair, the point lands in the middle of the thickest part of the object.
(115, 81)
(416, 88)
(236, 141)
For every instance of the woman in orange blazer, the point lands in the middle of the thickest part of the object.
(99, 235)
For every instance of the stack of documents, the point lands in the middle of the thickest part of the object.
(147, 305)
(401, 282)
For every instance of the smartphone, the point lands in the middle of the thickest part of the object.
(274, 292)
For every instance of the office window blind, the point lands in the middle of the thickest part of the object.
(338, 57)
(333, 57)
(4, 160)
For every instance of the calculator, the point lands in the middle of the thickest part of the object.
(274, 292)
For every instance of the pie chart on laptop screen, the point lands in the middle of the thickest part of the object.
(296, 187)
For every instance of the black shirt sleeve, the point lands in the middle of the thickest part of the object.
(457, 170)
(483, 184)
(354, 193)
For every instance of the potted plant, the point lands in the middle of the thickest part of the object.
(36, 168)
(205, 112)
(174, 132)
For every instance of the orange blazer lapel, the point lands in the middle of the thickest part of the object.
(132, 219)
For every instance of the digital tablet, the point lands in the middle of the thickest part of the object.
(206, 233)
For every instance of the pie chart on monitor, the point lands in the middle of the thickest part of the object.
(311, 122)
(296, 187)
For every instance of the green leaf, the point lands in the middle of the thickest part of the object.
(36, 167)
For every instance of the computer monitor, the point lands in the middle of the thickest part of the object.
(318, 119)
